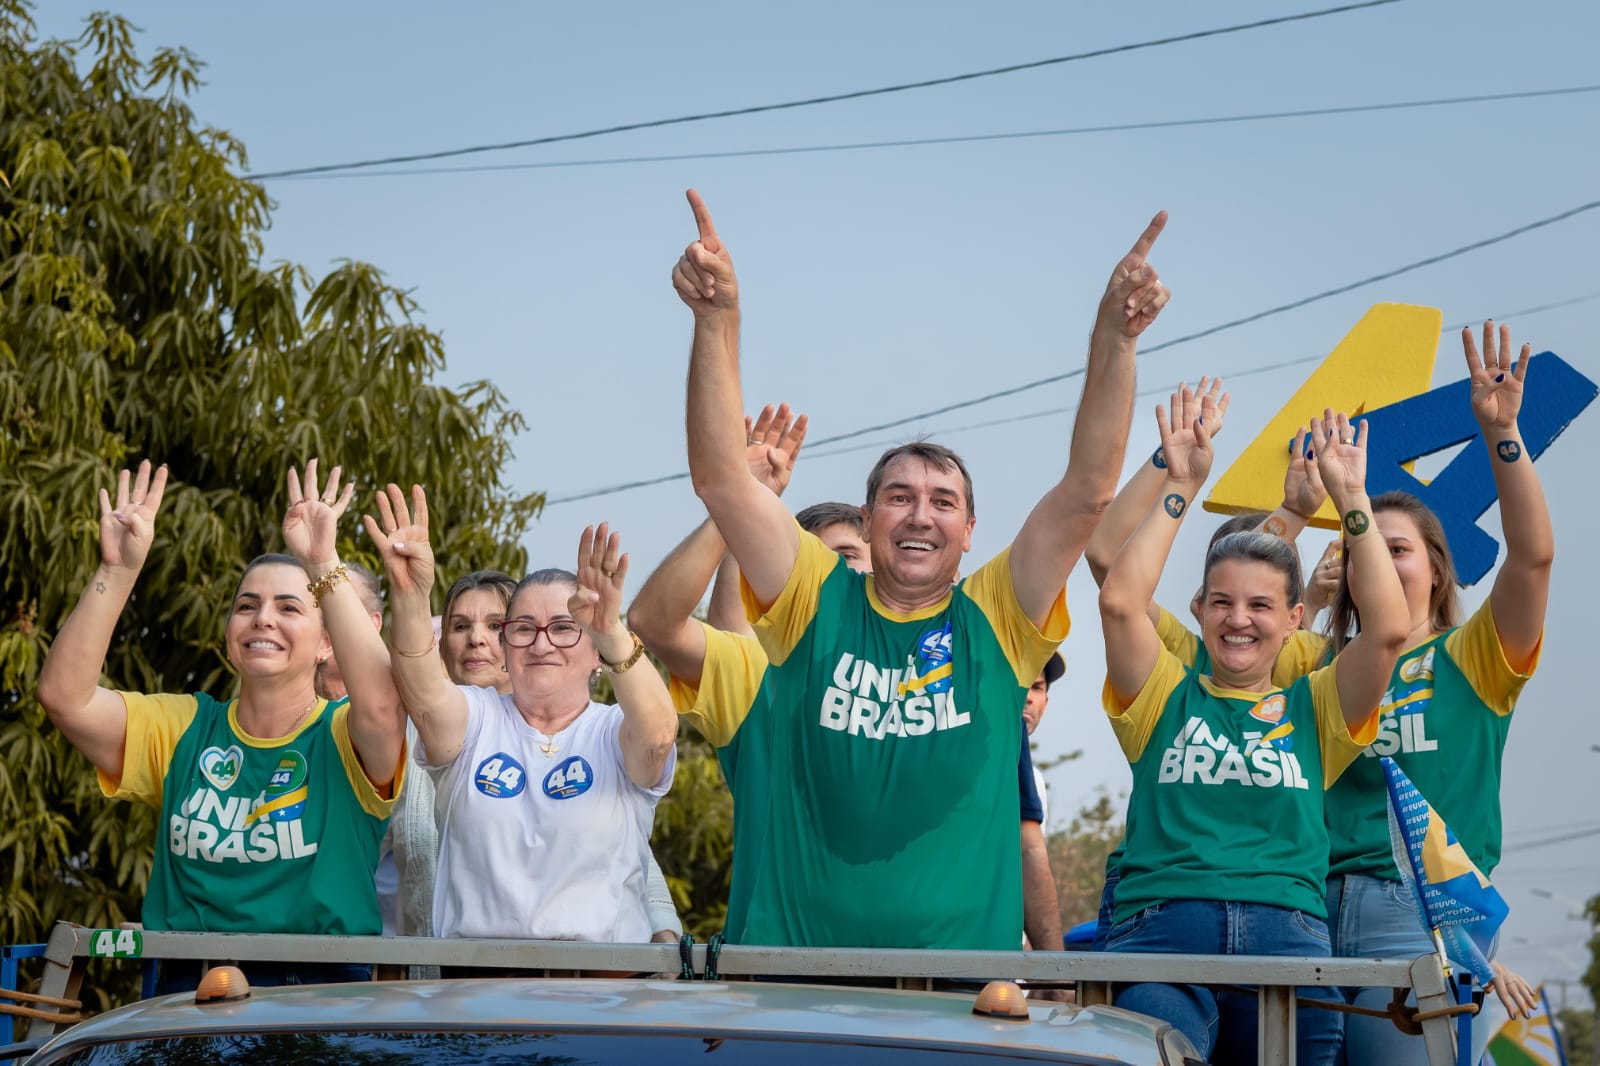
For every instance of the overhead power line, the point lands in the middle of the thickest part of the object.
(974, 138)
(611, 490)
(1529, 845)
(813, 101)
(1234, 323)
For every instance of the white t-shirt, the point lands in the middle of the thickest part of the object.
(546, 847)
(1044, 798)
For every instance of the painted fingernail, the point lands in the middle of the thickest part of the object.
(1499, 378)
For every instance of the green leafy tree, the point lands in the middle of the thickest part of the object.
(1078, 858)
(1591, 976)
(693, 838)
(1578, 1036)
(136, 321)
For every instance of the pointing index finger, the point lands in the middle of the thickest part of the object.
(1147, 239)
(702, 220)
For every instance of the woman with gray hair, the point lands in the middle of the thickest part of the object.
(474, 613)
(545, 799)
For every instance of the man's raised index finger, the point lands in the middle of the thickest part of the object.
(702, 216)
(1147, 239)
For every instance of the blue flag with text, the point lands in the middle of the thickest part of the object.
(1456, 900)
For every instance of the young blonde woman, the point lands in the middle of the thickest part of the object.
(1449, 703)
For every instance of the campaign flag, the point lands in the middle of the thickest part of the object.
(1523, 1041)
(1457, 902)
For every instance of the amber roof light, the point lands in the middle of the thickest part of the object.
(222, 984)
(1002, 999)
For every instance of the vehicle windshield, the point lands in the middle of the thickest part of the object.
(542, 1049)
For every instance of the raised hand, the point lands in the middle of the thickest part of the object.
(1213, 403)
(1324, 582)
(401, 537)
(596, 604)
(1496, 380)
(127, 530)
(1185, 439)
(1135, 296)
(311, 525)
(772, 443)
(704, 275)
(1341, 456)
(1303, 491)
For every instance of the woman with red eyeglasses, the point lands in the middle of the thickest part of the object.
(545, 798)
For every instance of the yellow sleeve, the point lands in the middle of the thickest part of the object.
(781, 626)
(1298, 658)
(1340, 744)
(1135, 722)
(730, 678)
(366, 793)
(155, 725)
(1177, 638)
(1475, 647)
(1026, 645)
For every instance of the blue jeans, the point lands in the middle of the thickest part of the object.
(1108, 910)
(1222, 1025)
(1373, 918)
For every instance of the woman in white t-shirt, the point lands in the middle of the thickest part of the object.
(545, 799)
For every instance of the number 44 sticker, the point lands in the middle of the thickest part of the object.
(116, 944)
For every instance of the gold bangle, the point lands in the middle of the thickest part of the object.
(624, 665)
(324, 584)
(414, 654)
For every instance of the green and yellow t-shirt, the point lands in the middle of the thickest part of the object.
(1444, 720)
(1228, 788)
(256, 836)
(878, 753)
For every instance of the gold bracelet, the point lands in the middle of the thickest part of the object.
(414, 654)
(322, 585)
(624, 665)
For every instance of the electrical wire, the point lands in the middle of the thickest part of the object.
(1529, 845)
(815, 100)
(1213, 120)
(812, 455)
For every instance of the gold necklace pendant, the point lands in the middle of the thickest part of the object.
(549, 748)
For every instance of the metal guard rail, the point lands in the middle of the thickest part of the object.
(1095, 973)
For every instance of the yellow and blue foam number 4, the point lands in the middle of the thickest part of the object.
(1382, 371)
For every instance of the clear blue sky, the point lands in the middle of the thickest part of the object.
(879, 283)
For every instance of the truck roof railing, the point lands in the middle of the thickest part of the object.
(1094, 973)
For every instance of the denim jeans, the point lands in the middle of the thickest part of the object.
(1373, 918)
(1222, 1025)
(1108, 910)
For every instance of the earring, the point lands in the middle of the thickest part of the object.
(504, 669)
